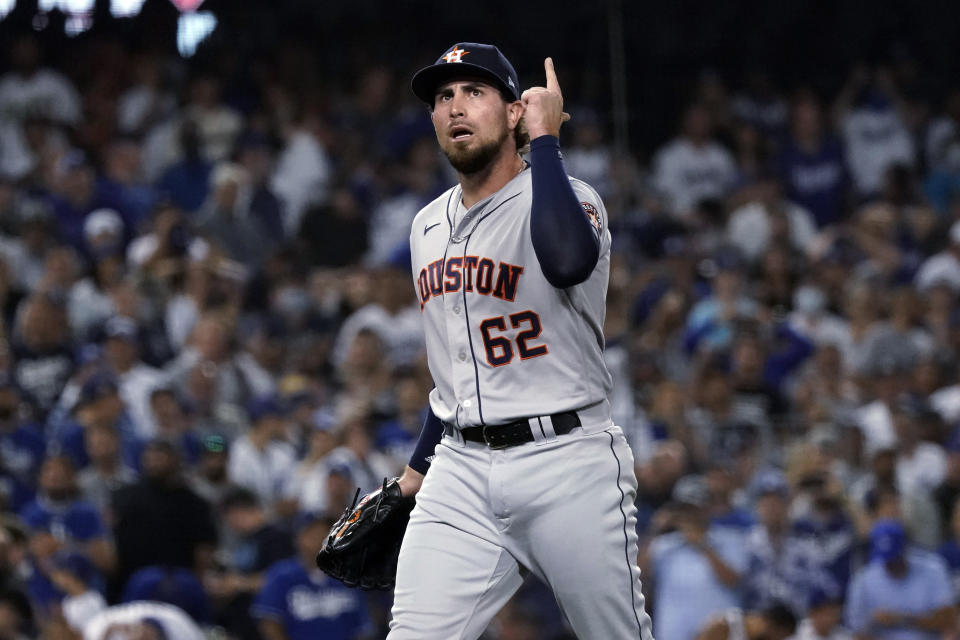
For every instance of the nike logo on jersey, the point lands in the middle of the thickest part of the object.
(425, 229)
(472, 273)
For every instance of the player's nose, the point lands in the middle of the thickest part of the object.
(457, 105)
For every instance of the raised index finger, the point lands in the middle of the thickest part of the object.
(552, 84)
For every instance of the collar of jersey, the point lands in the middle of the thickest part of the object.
(465, 226)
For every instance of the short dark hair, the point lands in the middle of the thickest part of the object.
(781, 616)
(239, 498)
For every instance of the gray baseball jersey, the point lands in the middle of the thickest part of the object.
(502, 342)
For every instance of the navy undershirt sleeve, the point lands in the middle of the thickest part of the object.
(430, 435)
(564, 240)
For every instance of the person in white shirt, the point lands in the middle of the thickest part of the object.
(390, 316)
(755, 225)
(823, 619)
(942, 268)
(921, 465)
(262, 460)
(869, 114)
(137, 379)
(693, 167)
(28, 91)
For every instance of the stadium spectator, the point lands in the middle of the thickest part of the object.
(690, 556)
(75, 523)
(824, 616)
(774, 623)
(257, 544)
(322, 608)
(693, 167)
(870, 112)
(263, 460)
(811, 164)
(901, 593)
(107, 472)
(160, 520)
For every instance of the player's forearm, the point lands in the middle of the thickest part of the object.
(563, 238)
(430, 435)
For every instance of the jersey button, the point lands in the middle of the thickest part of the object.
(456, 310)
(468, 403)
(462, 355)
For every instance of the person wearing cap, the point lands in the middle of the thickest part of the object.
(300, 602)
(547, 236)
(694, 568)
(262, 460)
(902, 594)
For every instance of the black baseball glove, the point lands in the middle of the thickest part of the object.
(363, 546)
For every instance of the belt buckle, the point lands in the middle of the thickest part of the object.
(503, 444)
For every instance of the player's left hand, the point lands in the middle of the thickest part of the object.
(543, 106)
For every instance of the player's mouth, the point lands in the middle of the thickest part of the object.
(460, 133)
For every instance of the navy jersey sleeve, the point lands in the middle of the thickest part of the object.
(566, 243)
(430, 436)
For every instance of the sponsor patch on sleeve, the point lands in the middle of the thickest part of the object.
(593, 215)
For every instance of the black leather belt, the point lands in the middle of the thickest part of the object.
(502, 436)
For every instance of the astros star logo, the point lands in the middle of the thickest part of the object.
(455, 54)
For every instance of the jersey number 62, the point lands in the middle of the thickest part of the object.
(499, 348)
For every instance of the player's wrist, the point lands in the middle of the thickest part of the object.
(543, 140)
(410, 482)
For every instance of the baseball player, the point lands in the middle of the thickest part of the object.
(527, 472)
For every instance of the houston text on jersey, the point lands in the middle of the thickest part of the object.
(473, 273)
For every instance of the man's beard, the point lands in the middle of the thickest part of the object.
(471, 161)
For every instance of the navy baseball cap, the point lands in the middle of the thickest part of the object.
(100, 385)
(887, 540)
(264, 406)
(467, 59)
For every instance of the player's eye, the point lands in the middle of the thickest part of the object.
(476, 92)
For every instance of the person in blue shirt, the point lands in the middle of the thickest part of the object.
(99, 403)
(950, 550)
(300, 602)
(902, 594)
(22, 446)
(811, 164)
(75, 523)
(694, 567)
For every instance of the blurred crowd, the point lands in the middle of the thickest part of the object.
(209, 339)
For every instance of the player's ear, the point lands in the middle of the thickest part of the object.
(514, 113)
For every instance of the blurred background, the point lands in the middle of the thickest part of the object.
(209, 336)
